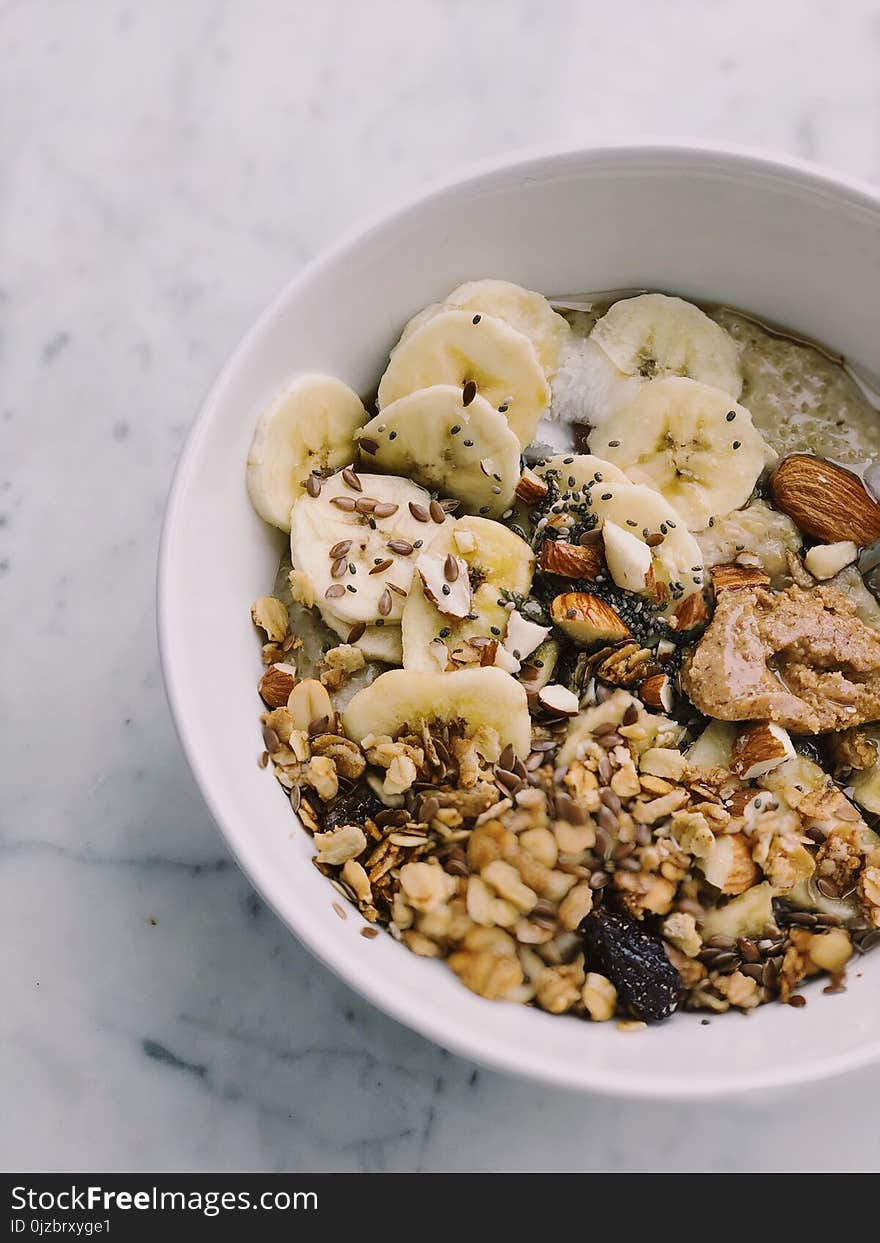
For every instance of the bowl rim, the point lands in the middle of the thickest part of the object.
(479, 1045)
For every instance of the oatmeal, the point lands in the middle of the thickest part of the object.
(572, 674)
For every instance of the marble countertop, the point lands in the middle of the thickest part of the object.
(166, 167)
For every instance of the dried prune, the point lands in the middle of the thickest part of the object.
(633, 959)
(352, 807)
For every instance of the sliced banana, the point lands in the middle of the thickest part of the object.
(574, 472)
(451, 348)
(310, 426)
(430, 436)
(382, 643)
(654, 335)
(495, 559)
(478, 697)
(689, 441)
(528, 312)
(676, 561)
(358, 555)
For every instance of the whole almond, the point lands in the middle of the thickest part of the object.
(276, 684)
(587, 618)
(571, 560)
(825, 501)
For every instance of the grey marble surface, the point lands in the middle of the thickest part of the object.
(165, 167)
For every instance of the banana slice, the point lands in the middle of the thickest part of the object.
(478, 697)
(692, 443)
(676, 562)
(528, 312)
(430, 436)
(575, 472)
(450, 348)
(494, 559)
(654, 336)
(382, 643)
(310, 426)
(358, 545)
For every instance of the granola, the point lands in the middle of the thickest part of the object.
(599, 728)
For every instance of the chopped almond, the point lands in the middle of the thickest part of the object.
(733, 577)
(588, 619)
(571, 560)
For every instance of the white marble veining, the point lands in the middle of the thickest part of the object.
(165, 168)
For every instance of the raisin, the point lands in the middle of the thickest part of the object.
(634, 960)
(353, 807)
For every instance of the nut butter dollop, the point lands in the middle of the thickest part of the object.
(801, 658)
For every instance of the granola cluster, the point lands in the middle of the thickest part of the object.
(497, 863)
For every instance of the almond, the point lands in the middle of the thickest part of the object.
(733, 577)
(558, 700)
(729, 864)
(488, 653)
(655, 588)
(825, 501)
(276, 684)
(759, 749)
(656, 692)
(587, 618)
(825, 560)
(690, 613)
(445, 582)
(308, 702)
(571, 560)
(531, 488)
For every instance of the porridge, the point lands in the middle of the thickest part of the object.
(572, 672)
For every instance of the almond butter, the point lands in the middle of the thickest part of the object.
(276, 684)
(733, 577)
(690, 613)
(760, 748)
(656, 692)
(587, 618)
(571, 560)
(531, 488)
(825, 501)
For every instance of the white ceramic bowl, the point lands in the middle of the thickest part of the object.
(797, 246)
